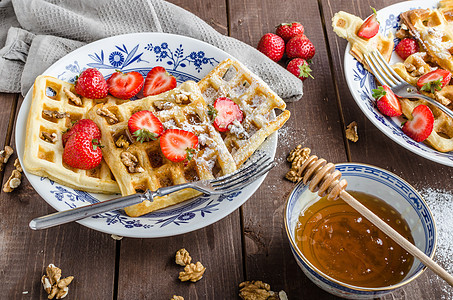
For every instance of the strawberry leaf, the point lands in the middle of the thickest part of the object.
(432, 86)
(144, 135)
(305, 71)
(378, 93)
(190, 153)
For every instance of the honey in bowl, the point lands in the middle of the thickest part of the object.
(342, 244)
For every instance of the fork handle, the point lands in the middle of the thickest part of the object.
(440, 106)
(79, 213)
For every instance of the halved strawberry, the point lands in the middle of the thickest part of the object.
(125, 85)
(178, 145)
(434, 80)
(82, 151)
(85, 125)
(145, 126)
(158, 81)
(226, 112)
(370, 27)
(421, 125)
(387, 102)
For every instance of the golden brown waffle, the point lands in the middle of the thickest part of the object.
(346, 26)
(433, 29)
(52, 113)
(141, 166)
(257, 101)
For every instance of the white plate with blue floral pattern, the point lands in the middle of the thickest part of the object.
(186, 59)
(361, 82)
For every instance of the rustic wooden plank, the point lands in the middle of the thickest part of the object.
(377, 149)
(314, 123)
(147, 269)
(77, 250)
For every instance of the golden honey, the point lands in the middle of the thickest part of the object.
(342, 244)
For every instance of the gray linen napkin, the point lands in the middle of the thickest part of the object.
(50, 29)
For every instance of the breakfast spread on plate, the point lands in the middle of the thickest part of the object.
(425, 44)
(83, 137)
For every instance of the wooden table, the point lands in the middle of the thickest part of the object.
(249, 244)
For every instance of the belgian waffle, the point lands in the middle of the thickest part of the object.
(346, 25)
(51, 113)
(141, 166)
(257, 101)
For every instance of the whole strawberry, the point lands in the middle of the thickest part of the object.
(272, 46)
(91, 84)
(406, 47)
(300, 46)
(300, 68)
(82, 151)
(289, 30)
(85, 125)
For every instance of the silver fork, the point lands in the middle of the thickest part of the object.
(241, 178)
(387, 76)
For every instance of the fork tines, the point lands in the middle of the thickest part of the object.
(244, 176)
(382, 70)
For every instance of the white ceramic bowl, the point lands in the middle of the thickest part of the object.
(386, 186)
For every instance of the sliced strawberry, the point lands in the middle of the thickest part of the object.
(145, 126)
(421, 125)
(158, 81)
(125, 85)
(370, 27)
(85, 125)
(434, 80)
(178, 145)
(82, 151)
(387, 102)
(226, 111)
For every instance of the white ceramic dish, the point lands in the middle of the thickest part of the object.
(361, 82)
(386, 186)
(186, 59)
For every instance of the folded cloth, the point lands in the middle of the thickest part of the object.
(49, 31)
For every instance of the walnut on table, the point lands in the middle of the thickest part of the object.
(296, 157)
(182, 257)
(351, 132)
(177, 297)
(258, 290)
(192, 272)
(5, 154)
(53, 284)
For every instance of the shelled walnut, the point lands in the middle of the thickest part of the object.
(258, 290)
(182, 257)
(131, 162)
(192, 272)
(53, 284)
(5, 154)
(55, 114)
(111, 118)
(177, 297)
(351, 132)
(296, 157)
(72, 97)
(13, 182)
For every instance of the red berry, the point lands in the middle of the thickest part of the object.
(82, 151)
(125, 85)
(226, 113)
(158, 81)
(421, 125)
(300, 46)
(300, 68)
(406, 47)
(91, 84)
(272, 46)
(434, 80)
(289, 30)
(145, 126)
(370, 27)
(178, 145)
(85, 125)
(387, 102)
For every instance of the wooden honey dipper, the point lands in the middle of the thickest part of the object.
(322, 177)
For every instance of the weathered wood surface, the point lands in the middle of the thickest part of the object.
(250, 243)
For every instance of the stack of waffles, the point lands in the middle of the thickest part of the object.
(433, 29)
(130, 166)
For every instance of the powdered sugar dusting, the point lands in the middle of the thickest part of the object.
(441, 204)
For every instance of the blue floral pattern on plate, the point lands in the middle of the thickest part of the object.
(361, 83)
(184, 58)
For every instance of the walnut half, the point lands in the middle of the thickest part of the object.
(53, 284)
(192, 272)
(131, 162)
(258, 290)
(182, 257)
(296, 157)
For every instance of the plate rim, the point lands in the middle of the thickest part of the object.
(270, 144)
